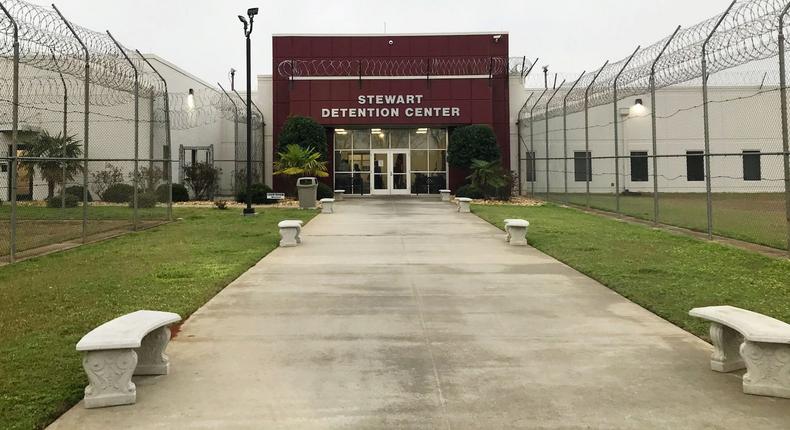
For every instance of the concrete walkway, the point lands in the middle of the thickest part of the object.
(405, 314)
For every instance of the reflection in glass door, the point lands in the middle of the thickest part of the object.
(390, 172)
(380, 173)
(400, 172)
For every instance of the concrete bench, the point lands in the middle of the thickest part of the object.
(516, 231)
(746, 339)
(133, 344)
(464, 205)
(445, 195)
(340, 195)
(327, 206)
(290, 233)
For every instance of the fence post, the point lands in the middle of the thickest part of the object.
(588, 159)
(532, 143)
(565, 133)
(524, 76)
(167, 154)
(783, 98)
(235, 135)
(519, 123)
(86, 132)
(706, 119)
(617, 133)
(14, 136)
(65, 130)
(548, 170)
(135, 216)
(654, 124)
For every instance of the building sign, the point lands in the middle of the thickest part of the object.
(392, 106)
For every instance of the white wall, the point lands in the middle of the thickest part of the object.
(741, 118)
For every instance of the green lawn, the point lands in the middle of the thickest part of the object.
(40, 226)
(50, 302)
(752, 217)
(665, 273)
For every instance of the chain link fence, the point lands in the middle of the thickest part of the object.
(91, 139)
(689, 132)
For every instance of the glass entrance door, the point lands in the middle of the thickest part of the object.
(390, 172)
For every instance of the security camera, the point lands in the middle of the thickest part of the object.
(392, 42)
(252, 11)
(497, 38)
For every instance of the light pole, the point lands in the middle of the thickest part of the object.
(249, 210)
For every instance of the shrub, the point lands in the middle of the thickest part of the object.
(71, 201)
(145, 201)
(304, 132)
(104, 179)
(473, 142)
(76, 191)
(180, 193)
(259, 192)
(203, 179)
(325, 191)
(221, 204)
(470, 191)
(118, 193)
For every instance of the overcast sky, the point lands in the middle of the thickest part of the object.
(205, 37)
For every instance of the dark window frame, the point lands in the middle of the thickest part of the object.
(579, 166)
(695, 166)
(532, 165)
(642, 168)
(752, 172)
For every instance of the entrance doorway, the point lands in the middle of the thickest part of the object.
(390, 170)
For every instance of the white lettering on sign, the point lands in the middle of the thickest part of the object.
(387, 106)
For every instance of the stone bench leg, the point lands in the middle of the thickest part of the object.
(445, 196)
(110, 375)
(464, 207)
(288, 237)
(768, 369)
(327, 208)
(151, 357)
(726, 354)
(299, 235)
(517, 236)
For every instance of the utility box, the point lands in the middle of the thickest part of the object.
(308, 192)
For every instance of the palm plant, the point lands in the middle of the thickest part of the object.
(46, 149)
(487, 176)
(298, 161)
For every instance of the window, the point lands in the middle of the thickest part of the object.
(530, 166)
(695, 166)
(582, 166)
(752, 170)
(639, 166)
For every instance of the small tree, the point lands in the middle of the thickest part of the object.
(298, 161)
(203, 178)
(45, 146)
(488, 177)
(472, 142)
(148, 178)
(105, 179)
(306, 133)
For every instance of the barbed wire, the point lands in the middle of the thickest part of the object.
(441, 66)
(748, 33)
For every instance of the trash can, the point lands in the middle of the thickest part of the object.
(308, 191)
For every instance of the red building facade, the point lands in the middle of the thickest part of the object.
(390, 102)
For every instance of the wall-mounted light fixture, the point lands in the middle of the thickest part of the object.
(422, 131)
(341, 131)
(638, 109)
(191, 99)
